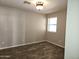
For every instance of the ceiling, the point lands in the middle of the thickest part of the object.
(49, 5)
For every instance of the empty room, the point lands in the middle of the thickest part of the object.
(39, 29)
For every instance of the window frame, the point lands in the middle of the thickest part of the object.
(48, 24)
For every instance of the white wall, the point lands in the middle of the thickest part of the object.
(18, 27)
(58, 37)
(72, 30)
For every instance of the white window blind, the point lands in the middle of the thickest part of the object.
(52, 24)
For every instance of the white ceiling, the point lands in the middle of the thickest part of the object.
(49, 5)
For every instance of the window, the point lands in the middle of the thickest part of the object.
(52, 24)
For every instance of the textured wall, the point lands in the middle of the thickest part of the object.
(19, 27)
(58, 37)
(72, 30)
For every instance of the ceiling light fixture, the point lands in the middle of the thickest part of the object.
(39, 5)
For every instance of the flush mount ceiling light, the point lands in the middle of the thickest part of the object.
(39, 5)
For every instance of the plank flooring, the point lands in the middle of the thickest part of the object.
(42, 50)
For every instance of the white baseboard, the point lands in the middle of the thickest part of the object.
(31, 43)
(21, 44)
(55, 44)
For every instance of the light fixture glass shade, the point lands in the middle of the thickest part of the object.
(39, 7)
